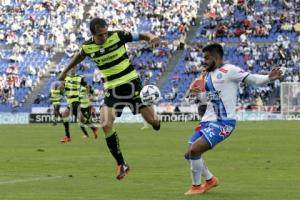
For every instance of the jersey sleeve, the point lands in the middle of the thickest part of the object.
(237, 74)
(125, 36)
(83, 82)
(82, 52)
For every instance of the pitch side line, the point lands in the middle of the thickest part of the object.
(29, 180)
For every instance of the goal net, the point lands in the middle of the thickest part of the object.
(290, 98)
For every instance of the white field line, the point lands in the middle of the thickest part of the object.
(29, 180)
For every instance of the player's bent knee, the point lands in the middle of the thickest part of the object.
(107, 127)
(64, 115)
(194, 152)
(186, 156)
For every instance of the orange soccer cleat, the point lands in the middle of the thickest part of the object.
(213, 182)
(122, 171)
(66, 139)
(195, 190)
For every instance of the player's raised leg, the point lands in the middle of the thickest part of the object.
(150, 116)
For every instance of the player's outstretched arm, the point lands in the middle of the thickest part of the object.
(77, 58)
(258, 79)
(153, 39)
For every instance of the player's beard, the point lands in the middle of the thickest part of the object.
(210, 67)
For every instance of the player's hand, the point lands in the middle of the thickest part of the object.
(197, 85)
(276, 73)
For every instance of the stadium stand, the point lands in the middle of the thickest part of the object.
(149, 62)
(31, 32)
(227, 22)
(20, 71)
(252, 53)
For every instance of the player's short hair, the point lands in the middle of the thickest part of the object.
(214, 48)
(97, 22)
(55, 84)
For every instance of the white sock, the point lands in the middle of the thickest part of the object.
(145, 124)
(205, 171)
(196, 169)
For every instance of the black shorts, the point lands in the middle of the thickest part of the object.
(73, 107)
(86, 112)
(201, 109)
(56, 108)
(127, 94)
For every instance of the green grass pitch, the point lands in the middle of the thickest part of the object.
(260, 160)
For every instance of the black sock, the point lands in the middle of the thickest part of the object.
(114, 148)
(66, 125)
(84, 131)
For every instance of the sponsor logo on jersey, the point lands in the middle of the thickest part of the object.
(106, 94)
(213, 95)
(225, 131)
(219, 76)
(223, 70)
(102, 51)
(109, 58)
(113, 48)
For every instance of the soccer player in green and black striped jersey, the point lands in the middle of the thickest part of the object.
(56, 93)
(121, 81)
(72, 89)
(87, 110)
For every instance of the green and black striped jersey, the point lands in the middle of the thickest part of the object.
(111, 58)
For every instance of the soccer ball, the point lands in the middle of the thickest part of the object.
(150, 95)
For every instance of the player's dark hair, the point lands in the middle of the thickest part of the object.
(214, 48)
(97, 22)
